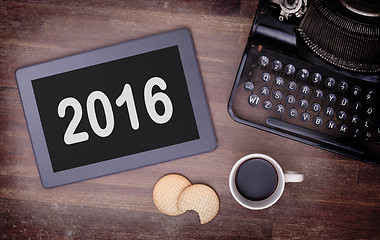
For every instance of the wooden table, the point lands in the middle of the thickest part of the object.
(339, 198)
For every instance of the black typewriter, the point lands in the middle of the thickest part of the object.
(311, 72)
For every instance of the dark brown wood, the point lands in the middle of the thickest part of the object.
(339, 198)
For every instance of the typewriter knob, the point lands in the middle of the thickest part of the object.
(291, 8)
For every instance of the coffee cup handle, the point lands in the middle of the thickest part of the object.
(291, 176)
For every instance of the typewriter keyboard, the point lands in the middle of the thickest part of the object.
(305, 102)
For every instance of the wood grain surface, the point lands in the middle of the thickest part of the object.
(339, 198)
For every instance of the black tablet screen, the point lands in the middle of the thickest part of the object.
(115, 109)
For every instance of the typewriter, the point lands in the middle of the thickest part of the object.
(311, 72)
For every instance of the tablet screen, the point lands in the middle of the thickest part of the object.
(114, 109)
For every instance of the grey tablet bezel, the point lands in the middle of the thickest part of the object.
(181, 38)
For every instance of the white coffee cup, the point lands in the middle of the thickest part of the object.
(282, 177)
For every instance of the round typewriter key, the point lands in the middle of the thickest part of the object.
(316, 78)
(355, 119)
(357, 106)
(289, 69)
(276, 65)
(318, 94)
(342, 86)
(331, 124)
(368, 123)
(293, 112)
(280, 108)
(254, 100)
(267, 104)
(277, 95)
(343, 128)
(341, 115)
(290, 99)
(356, 91)
(318, 121)
(249, 86)
(316, 107)
(292, 86)
(331, 98)
(279, 81)
(343, 102)
(303, 103)
(264, 91)
(305, 116)
(303, 74)
(370, 110)
(329, 111)
(263, 61)
(265, 77)
(370, 95)
(305, 90)
(356, 133)
(367, 136)
(330, 82)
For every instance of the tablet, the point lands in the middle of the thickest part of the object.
(116, 108)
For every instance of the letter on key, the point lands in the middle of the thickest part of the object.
(280, 108)
(254, 100)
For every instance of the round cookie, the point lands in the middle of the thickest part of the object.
(202, 199)
(166, 193)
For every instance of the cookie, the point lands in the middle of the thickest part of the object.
(166, 193)
(200, 198)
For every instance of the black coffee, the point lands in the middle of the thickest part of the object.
(256, 179)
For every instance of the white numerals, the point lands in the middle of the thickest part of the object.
(150, 101)
(126, 96)
(70, 137)
(110, 122)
